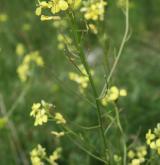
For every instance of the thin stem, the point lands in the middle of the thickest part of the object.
(124, 39)
(86, 66)
(20, 97)
(81, 146)
(123, 136)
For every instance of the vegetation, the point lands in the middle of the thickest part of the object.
(79, 82)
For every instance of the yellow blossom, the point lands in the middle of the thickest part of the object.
(57, 134)
(113, 94)
(40, 112)
(55, 155)
(48, 18)
(123, 92)
(135, 162)
(131, 154)
(152, 145)
(20, 49)
(59, 5)
(141, 151)
(41, 117)
(157, 130)
(59, 118)
(158, 143)
(82, 79)
(93, 28)
(94, 10)
(74, 3)
(37, 154)
(23, 70)
(153, 139)
(3, 17)
(38, 11)
(149, 136)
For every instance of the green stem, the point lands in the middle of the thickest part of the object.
(80, 145)
(124, 39)
(86, 66)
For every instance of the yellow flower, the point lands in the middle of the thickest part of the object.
(149, 136)
(123, 92)
(36, 161)
(157, 130)
(37, 154)
(55, 155)
(131, 154)
(41, 117)
(3, 17)
(20, 49)
(57, 134)
(35, 109)
(113, 94)
(141, 151)
(40, 112)
(152, 145)
(59, 5)
(48, 18)
(59, 118)
(74, 3)
(135, 162)
(24, 69)
(82, 79)
(38, 11)
(158, 143)
(93, 28)
(153, 139)
(94, 10)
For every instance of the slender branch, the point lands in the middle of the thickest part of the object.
(124, 39)
(81, 146)
(15, 104)
(87, 68)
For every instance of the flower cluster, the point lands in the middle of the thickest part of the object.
(113, 94)
(94, 10)
(82, 79)
(55, 156)
(153, 139)
(39, 156)
(42, 111)
(23, 70)
(55, 6)
(137, 156)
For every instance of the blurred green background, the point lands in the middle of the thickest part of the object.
(138, 72)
